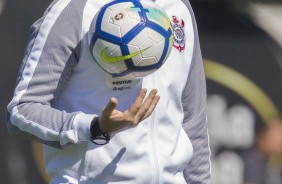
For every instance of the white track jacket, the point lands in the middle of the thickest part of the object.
(60, 89)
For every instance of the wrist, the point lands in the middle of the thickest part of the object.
(97, 135)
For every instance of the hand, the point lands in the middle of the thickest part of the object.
(112, 120)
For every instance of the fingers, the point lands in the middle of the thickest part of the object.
(148, 106)
(113, 120)
(111, 106)
(135, 107)
(152, 106)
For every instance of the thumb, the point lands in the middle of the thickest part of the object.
(110, 107)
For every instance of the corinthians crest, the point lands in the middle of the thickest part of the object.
(179, 33)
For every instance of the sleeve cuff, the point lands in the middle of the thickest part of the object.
(81, 126)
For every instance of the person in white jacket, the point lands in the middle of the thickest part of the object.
(64, 100)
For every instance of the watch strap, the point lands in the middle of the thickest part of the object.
(97, 136)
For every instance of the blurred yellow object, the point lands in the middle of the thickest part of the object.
(242, 86)
(38, 156)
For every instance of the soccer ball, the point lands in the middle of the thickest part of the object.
(130, 38)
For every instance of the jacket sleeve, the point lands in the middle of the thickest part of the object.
(195, 120)
(49, 60)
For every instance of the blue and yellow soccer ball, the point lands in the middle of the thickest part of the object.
(130, 38)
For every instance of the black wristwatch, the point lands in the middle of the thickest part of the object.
(97, 136)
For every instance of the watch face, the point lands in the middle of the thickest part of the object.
(101, 139)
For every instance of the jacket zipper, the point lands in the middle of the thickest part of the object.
(155, 156)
